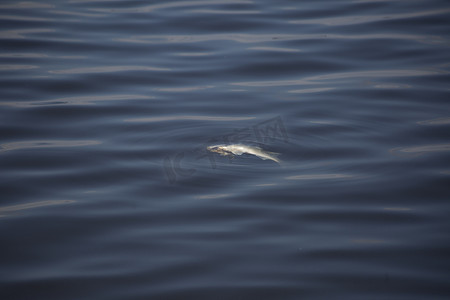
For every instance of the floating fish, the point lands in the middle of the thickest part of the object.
(238, 149)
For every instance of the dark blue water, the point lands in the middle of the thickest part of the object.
(107, 190)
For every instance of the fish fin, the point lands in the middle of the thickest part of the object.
(275, 157)
(277, 161)
(274, 153)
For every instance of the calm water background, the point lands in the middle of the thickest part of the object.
(106, 108)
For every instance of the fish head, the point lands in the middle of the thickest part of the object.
(218, 149)
(212, 148)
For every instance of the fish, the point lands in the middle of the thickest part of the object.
(238, 149)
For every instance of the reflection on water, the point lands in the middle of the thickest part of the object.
(385, 74)
(368, 241)
(240, 38)
(15, 208)
(84, 100)
(22, 18)
(184, 89)
(438, 121)
(307, 91)
(46, 144)
(196, 118)
(214, 196)
(397, 208)
(193, 54)
(107, 69)
(25, 5)
(22, 33)
(361, 19)
(266, 184)
(22, 55)
(224, 12)
(419, 150)
(39, 55)
(391, 86)
(276, 38)
(274, 49)
(16, 67)
(319, 176)
(72, 13)
(171, 4)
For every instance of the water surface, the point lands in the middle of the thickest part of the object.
(108, 192)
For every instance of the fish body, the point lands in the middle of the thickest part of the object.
(238, 149)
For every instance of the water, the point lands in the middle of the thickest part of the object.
(108, 192)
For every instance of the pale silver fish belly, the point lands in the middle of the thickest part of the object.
(238, 149)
